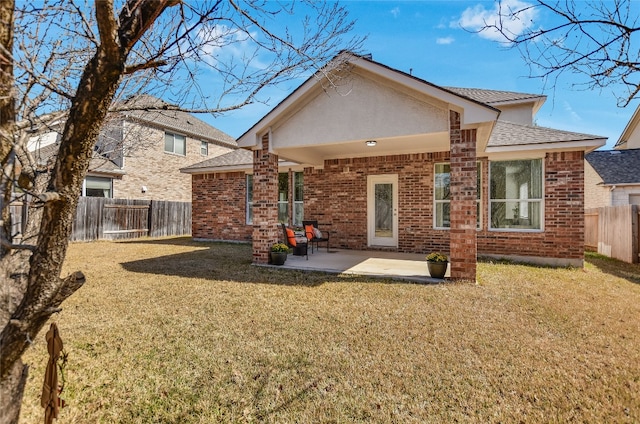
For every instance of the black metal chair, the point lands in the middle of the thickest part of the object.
(296, 243)
(312, 236)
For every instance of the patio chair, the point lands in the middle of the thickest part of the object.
(314, 235)
(299, 244)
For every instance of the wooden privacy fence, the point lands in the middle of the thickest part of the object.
(98, 218)
(613, 231)
(111, 219)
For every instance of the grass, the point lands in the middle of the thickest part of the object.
(173, 331)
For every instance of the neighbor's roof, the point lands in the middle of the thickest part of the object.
(616, 166)
(512, 134)
(630, 128)
(175, 120)
(98, 165)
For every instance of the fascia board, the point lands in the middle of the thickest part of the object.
(586, 145)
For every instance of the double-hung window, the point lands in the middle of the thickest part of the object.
(442, 195)
(516, 194)
(175, 143)
(283, 198)
(204, 148)
(249, 199)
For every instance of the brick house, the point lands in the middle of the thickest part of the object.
(139, 152)
(612, 177)
(389, 161)
(150, 146)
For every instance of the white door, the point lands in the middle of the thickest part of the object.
(382, 210)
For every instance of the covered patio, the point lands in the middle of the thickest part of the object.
(393, 265)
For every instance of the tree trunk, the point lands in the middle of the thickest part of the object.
(37, 289)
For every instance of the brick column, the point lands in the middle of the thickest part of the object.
(463, 182)
(265, 202)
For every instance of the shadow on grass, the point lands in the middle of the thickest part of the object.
(220, 261)
(627, 271)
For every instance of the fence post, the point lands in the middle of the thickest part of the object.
(150, 219)
(634, 234)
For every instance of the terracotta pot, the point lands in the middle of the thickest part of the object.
(437, 269)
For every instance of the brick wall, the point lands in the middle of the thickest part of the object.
(337, 197)
(564, 215)
(595, 194)
(265, 202)
(147, 164)
(463, 181)
(219, 207)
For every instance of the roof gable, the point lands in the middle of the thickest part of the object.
(472, 111)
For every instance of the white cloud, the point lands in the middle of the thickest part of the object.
(575, 117)
(395, 12)
(445, 40)
(477, 17)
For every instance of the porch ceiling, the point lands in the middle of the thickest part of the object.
(315, 155)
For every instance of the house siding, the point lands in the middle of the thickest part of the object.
(336, 196)
(147, 164)
(562, 240)
(219, 207)
(595, 194)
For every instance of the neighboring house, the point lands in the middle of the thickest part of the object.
(97, 182)
(389, 161)
(145, 149)
(630, 137)
(612, 178)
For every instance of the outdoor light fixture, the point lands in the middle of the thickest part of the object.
(371, 143)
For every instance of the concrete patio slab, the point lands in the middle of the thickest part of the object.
(399, 266)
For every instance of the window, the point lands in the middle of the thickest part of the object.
(97, 187)
(442, 195)
(249, 199)
(283, 198)
(175, 143)
(516, 194)
(204, 148)
(298, 203)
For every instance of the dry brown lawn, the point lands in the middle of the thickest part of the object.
(175, 331)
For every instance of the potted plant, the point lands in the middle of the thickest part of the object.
(437, 264)
(279, 253)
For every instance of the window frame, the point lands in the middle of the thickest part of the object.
(173, 151)
(291, 198)
(436, 202)
(94, 178)
(249, 198)
(540, 201)
(204, 148)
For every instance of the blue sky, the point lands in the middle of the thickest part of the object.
(425, 38)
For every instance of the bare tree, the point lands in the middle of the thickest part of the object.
(596, 42)
(73, 60)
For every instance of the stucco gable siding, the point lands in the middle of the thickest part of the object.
(366, 109)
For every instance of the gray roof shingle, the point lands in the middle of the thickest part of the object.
(616, 166)
(235, 158)
(176, 120)
(492, 96)
(98, 164)
(512, 134)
